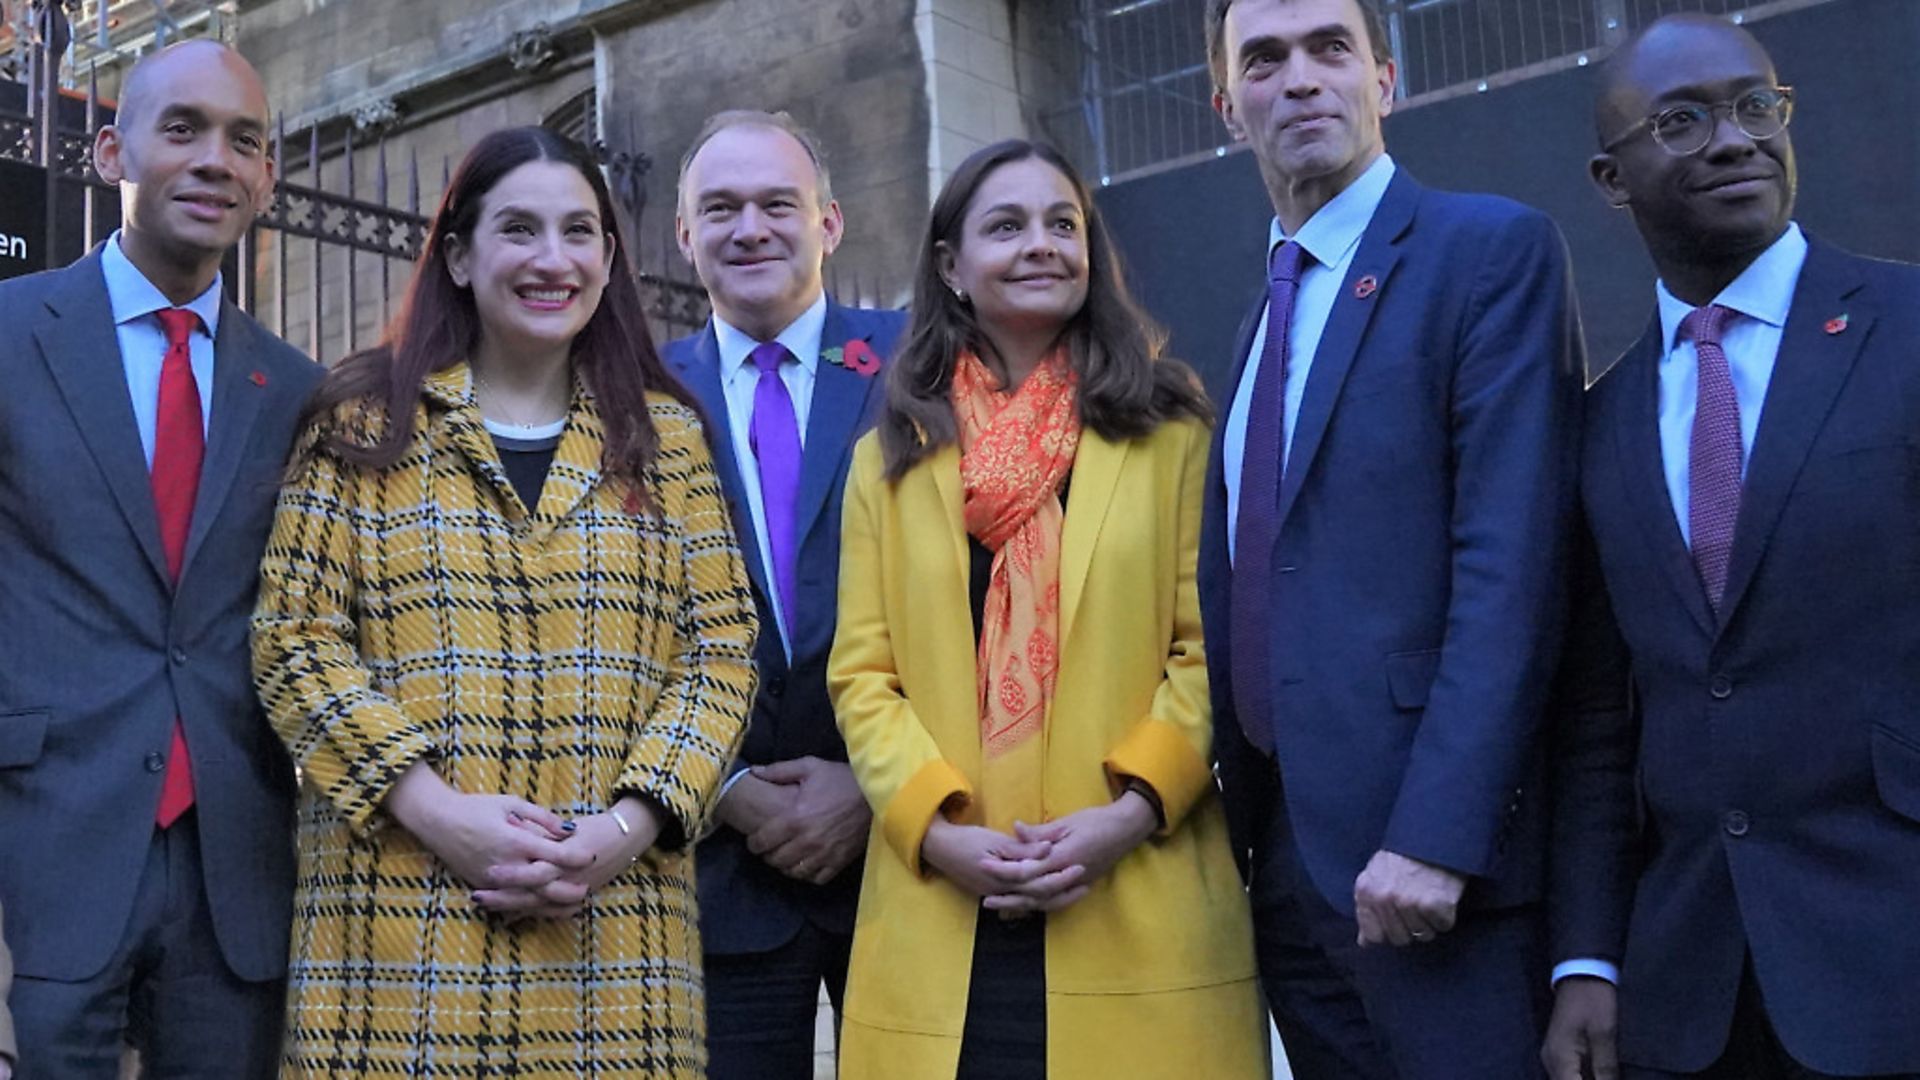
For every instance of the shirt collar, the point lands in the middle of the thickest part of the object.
(1763, 291)
(1335, 229)
(801, 337)
(132, 296)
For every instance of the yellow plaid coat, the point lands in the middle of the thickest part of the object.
(569, 656)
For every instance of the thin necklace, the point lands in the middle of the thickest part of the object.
(480, 382)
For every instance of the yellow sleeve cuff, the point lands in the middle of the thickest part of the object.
(1161, 754)
(911, 811)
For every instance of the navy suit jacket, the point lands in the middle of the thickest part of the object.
(747, 906)
(1417, 577)
(99, 652)
(1751, 784)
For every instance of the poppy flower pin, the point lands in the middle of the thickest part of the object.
(856, 356)
(259, 378)
(1837, 324)
(1366, 287)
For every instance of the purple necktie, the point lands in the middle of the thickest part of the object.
(1258, 521)
(1713, 464)
(775, 438)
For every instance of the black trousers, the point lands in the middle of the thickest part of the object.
(167, 992)
(762, 1007)
(1006, 1032)
(1753, 1049)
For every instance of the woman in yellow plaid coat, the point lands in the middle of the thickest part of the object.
(505, 631)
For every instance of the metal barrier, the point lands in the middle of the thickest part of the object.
(1145, 99)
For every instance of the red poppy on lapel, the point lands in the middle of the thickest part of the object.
(1366, 287)
(259, 378)
(856, 356)
(1837, 323)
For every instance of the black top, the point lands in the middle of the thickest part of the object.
(527, 462)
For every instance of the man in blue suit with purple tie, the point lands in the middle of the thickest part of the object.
(1737, 830)
(789, 380)
(1381, 569)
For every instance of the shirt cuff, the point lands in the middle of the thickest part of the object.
(1598, 969)
(738, 775)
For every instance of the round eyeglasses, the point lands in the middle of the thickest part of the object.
(1761, 113)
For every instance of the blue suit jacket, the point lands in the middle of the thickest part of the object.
(99, 652)
(1751, 784)
(747, 906)
(1417, 576)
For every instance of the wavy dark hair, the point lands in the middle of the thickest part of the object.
(1126, 388)
(438, 325)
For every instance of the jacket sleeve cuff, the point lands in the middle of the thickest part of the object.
(911, 811)
(1598, 969)
(1161, 755)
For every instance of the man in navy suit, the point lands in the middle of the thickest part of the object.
(1381, 570)
(789, 379)
(146, 855)
(1738, 831)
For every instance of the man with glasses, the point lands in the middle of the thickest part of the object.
(1738, 819)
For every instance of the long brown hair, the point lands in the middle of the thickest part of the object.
(438, 325)
(1126, 388)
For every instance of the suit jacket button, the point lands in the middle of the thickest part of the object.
(179, 657)
(1736, 823)
(154, 761)
(1721, 687)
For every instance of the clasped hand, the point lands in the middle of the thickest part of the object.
(1039, 868)
(521, 860)
(805, 818)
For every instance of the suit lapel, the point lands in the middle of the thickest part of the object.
(1636, 441)
(82, 348)
(1807, 376)
(699, 369)
(840, 397)
(238, 390)
(944, 464)
(1096, 474)
(1346, 328)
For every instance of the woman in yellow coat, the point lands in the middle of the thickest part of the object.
(1049, 892)
(504, 629)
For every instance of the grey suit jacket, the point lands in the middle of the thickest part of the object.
(99, 653)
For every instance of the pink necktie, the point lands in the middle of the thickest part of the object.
(1713, 464)
(179, 441)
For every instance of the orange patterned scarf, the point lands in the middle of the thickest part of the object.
(1015, 450)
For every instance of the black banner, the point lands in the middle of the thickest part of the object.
(23, 219)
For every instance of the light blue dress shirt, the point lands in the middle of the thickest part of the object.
(1331, 236)
(738, 377)
(143, 342)
(1762, 294)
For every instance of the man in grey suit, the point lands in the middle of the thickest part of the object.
(146, 863)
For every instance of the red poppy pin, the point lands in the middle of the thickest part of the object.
(259, 378)
(1836, 324)
(1366, 287)
(856, 356)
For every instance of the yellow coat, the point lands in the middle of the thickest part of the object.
(569, 656)
(1152, 974)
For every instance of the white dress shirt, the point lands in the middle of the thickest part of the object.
(738, 377)
(1762, 295)
(143, 341)
(1331, 236)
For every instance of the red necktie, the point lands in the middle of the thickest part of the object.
(1713, 465)
(179, 441)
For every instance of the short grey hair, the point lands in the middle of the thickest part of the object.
(779, 121)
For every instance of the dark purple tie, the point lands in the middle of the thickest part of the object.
(775, 438)
(1258, 521)
(1713, 463)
